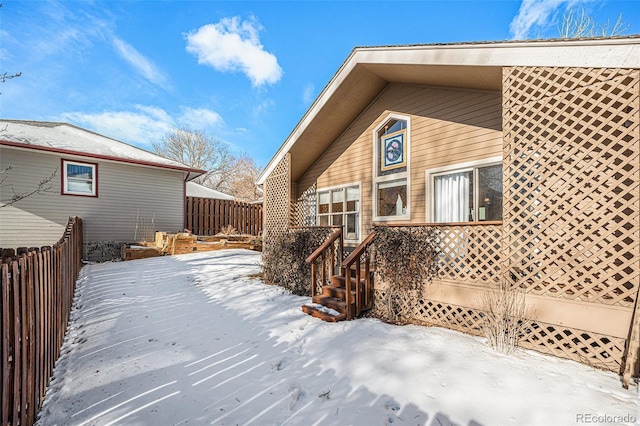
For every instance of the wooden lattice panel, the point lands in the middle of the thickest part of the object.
(418, 310)
(470, 253)
(277, 190)
(587, 347)
(572, 182)
(304, 209)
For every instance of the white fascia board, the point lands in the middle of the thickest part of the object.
(317, 105)
(610, 53)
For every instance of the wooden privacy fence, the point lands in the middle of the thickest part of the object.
(207, 216)
(37, 292)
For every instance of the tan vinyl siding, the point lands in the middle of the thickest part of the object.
(448, 126)
(124, 192)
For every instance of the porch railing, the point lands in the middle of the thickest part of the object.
(470, 252)
(353, 265)
(329, 256)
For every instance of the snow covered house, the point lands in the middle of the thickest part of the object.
(525, 156)
(120, 191)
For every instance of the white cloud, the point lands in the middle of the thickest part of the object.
(65, 29)
(143, 127)
(263, 107)
(141, 64)
(308, 93)
(233, 45)
(200, 118)
(536, 15)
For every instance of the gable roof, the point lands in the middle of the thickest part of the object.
(197, 190)
(368, 70)
(68, 139)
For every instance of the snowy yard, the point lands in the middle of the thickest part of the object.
(194, 340)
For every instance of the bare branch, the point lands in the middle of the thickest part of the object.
(43, 186)
(6, 76)
(579, 26)
(225, 172)
(200, 150)
(242, 184)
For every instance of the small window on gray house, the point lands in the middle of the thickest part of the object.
(79, 178)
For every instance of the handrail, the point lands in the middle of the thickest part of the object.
(328, 242)
(354, 257)
(320, 252)
(357, 252)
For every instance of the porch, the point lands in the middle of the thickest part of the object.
(570, 319)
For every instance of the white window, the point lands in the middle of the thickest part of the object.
(79, 178)
(470, 192)
(341, 207)
(391, 169)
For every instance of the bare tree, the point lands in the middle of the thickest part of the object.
(242, 184)
(581, 25)
(5, 75)
(43, 186)
(198, 149)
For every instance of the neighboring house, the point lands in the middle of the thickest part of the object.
(122, 193)
(197, 190)
(525, 154)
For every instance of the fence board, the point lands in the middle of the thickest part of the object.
(37, 288)
(206, 216)
(6, 389)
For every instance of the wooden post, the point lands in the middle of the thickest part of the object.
(6, 389)
(632, 355)
(313, 278)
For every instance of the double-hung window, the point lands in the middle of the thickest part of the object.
(469, 192)
(79, 178)
(341, 207)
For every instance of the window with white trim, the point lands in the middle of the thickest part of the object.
(470, 193)
(79, 178)
(391, 169)
(340, 207)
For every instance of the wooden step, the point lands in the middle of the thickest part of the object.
(317, 312)
(337, 292)
(339, 281)
(331, 302)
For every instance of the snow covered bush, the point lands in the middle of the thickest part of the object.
(504, 317)
(406, 259)
(283, 259)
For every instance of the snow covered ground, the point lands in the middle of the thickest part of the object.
(194, 340)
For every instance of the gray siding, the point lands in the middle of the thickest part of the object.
(125, 192)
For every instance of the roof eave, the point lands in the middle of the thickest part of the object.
(614, 52)
(193, 173)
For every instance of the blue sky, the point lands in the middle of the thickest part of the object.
(245, 72)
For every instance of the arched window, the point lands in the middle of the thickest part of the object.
(391, 169)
